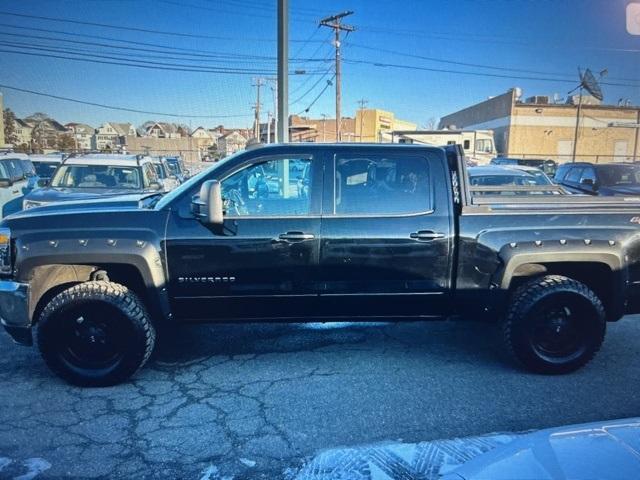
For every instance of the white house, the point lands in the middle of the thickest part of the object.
(82, 134)
(231, 143)
(110, 136)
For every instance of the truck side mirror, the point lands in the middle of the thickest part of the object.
(43, 182)
(207, 206)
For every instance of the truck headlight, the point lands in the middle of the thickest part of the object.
(5, 251)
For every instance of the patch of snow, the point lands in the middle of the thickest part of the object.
(209, 472)
(247, 462)
(35, 466)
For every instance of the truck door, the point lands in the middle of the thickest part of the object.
(387, 233)
(263, 262)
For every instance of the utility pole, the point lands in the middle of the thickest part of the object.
(258, 83)
(334, 22)
(575, 134)
(282, 112)
(363, 103)
(268, 127)
(635, 145)
(324, 127)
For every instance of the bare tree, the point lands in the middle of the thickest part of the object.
(9, 119)
(65, 142)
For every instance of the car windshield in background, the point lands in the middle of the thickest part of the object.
(619, 175)
(97, 176)
(45, 169)
(160, 172)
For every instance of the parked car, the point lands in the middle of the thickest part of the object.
(167, 179)
(386, 231)
(30, 172)
(96, 176)
(177, 168)
(45, 166)
(607, 179)
(511, 178)
(13, 182)
(547, 166)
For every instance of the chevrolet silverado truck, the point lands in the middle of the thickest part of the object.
(305, 232)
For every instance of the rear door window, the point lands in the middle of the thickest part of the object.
(382, 185)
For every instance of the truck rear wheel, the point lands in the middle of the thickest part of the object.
(95, 334)
(554, 325)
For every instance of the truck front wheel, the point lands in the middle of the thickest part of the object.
(554, 325)
(95, 334)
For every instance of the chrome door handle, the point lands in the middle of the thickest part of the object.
(426, 235)
(296, 236)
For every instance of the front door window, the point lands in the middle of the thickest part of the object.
(275, 188)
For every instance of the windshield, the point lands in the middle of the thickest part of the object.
(45, 169)
(619, 175)
(98, 176)
(28, 168)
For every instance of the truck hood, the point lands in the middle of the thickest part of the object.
(604, 450)
(58, 194)
(122, 202)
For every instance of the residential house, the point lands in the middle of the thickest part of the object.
(45, 132)
(110, 136)
(202, 140)
(23, 132)
(231, 143)
(82, 135)
(162, 130)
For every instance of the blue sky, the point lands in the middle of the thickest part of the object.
(515, 38)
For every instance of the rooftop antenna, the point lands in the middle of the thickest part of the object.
(589, 83)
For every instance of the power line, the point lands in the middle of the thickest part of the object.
(329, 83)
(142, 63)
(111, 107)
(227, 56)
(222, 57)
(301, 97)
(141, 30)
(464, 64)
(476, 74)
(324, 59)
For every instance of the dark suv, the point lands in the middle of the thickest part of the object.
(610, 179)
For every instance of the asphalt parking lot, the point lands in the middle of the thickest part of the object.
(260, 401)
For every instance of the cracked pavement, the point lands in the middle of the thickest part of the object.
(260, 401)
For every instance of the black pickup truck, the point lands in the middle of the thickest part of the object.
(319, 233)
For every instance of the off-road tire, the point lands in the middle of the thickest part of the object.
(523, 315)
(127, 314)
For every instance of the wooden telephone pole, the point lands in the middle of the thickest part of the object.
(335, 22)
(258, 83)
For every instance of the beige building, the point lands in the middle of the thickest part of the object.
(375, 125)
(166, 147)
(539, 128)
